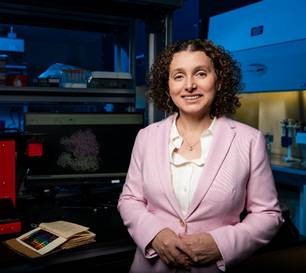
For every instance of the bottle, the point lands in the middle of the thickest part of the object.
(11, 34)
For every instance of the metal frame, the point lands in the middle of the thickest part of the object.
(95, 16)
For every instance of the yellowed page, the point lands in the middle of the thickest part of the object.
(63, 228)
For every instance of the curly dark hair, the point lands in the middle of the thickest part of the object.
(227, 70)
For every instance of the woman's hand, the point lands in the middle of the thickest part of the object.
(171, 249)
(203, 247)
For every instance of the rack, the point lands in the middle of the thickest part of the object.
(93, 15)
(10, 94)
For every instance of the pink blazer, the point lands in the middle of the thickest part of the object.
(237, 176)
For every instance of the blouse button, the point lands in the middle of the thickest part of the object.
(184, 225)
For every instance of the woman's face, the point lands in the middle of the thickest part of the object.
(192, 82)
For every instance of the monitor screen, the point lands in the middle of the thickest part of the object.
(80, 147)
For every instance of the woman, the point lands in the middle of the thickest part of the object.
(192, 174)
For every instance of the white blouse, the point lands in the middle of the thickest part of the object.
(186, 173)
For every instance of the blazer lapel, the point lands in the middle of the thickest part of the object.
(163, 164)
(222, 140)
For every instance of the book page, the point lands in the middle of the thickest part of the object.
(40, 241)
(82, 238)
(63, 228)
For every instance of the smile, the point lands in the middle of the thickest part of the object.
(192, 97)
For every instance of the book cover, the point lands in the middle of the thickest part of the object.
(51, 236)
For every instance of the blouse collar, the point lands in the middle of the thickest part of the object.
(176, 141)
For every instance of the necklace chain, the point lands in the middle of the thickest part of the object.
(191, 146)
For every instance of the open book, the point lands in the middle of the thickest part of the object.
(50, 236)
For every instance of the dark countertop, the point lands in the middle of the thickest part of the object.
(108, 253)
(112, 251)
(293, 173)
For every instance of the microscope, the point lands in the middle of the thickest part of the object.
(289, 129)
(300, 140)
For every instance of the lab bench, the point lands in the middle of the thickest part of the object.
(96, 257)
(293, 176)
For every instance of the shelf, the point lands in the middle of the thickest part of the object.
(10, 94)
